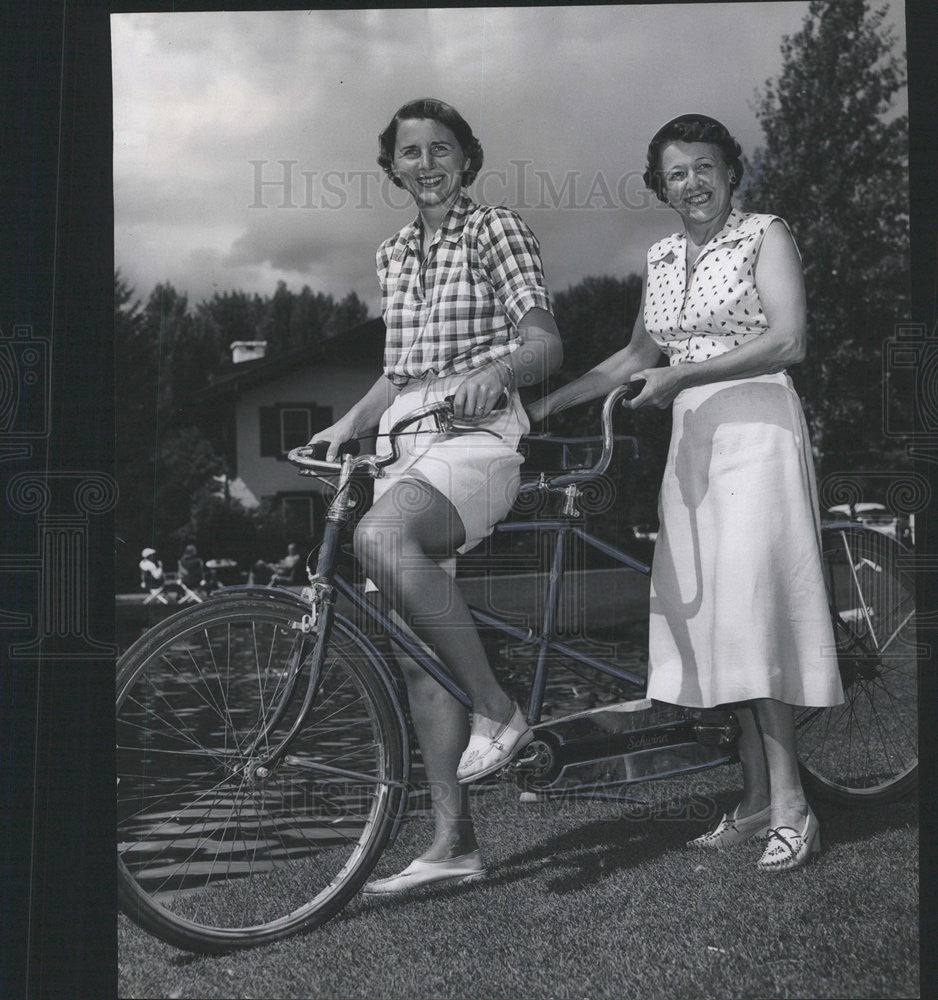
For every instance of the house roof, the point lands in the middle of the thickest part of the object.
(361, 345)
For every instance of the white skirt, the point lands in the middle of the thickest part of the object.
(738, 603)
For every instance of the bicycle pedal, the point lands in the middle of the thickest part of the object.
(508, 772)
(511, 769)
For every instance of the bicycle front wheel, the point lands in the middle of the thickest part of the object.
(866, 748)
(214, 854)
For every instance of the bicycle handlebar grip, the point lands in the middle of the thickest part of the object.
(634, 388)
(500, 404)
(319, 449)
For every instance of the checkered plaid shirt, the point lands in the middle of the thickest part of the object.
(460, 307)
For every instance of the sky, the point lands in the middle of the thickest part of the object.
(245, 143)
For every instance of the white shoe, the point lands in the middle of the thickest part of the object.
(484, 755)
(465, 868)
(734, 830)
(789, 848)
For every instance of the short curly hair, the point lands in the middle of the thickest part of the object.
(692, 128)
(438, 111)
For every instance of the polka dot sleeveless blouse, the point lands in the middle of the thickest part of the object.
(716, 307)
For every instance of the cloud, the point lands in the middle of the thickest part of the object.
(564, 99)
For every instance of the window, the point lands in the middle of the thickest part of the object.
(298, 513)
(290, 425)
(295, 428)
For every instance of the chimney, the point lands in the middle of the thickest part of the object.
(247, 350)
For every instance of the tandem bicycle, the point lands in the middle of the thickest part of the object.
(263, 751)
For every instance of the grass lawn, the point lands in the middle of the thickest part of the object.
(590, 899)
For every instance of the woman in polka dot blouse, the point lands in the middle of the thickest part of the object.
(739, 613)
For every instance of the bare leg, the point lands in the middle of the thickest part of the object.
(756, 793)
(776, 723)
(442, 726)
(398, 543)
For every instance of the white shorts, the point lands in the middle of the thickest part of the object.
(479, 474)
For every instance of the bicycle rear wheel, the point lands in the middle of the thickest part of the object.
(866, 748)
(211, 854)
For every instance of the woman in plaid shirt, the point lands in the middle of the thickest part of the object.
(468, 315)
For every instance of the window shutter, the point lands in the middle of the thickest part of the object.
(270, 432)
(319, 417)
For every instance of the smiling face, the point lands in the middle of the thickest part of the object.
(429, 162)
(697, 182)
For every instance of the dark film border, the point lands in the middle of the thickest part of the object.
(58, 888)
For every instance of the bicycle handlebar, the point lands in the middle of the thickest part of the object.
(622, 392)
(310, 458)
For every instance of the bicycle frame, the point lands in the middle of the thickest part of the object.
(201, 807)
(568, 742)
(326, 580)
(572, 741)
(544, 639)
(712, 727)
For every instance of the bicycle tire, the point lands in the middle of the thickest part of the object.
(866, 749)
(210, 857)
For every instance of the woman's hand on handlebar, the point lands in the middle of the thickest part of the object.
(336, 435)
(660, 388)
(479, 392)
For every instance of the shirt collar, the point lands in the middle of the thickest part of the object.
(728, 233)
(667, 248)
(676, 244)
(450, 229)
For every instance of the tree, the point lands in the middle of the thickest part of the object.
(220, 528)
(835, 167)
(166, 352)
(298, 319)
(348, 313)
(162, 463)
(231, 316)
(186, 464)
(136, 404)
(279, 308)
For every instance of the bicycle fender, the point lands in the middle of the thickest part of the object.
(834, 526)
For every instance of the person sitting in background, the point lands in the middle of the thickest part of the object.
(191, 569)
(283, 572)
(151, 574)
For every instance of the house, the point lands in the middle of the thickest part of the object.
(262, 407)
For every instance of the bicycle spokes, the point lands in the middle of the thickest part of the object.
(868, 745)
(212, 835)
